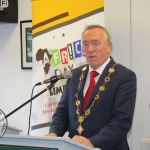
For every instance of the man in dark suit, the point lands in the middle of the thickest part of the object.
(104, 117)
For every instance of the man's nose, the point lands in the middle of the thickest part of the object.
(90, 48)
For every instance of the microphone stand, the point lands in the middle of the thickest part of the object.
(48, 88)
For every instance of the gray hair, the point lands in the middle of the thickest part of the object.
(106, 32)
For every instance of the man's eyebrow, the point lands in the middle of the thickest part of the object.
(84, 41)
(95, 40)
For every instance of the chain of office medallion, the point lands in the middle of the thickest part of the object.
(101, 89)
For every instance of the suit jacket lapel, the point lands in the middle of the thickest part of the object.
(80, 92)
(100, 82)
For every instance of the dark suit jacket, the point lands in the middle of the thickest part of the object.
(110, 118)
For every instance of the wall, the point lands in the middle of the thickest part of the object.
(141, 65)
(118, 21)
(15, 83)
(130, 25)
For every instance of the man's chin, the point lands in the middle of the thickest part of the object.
(94, 66)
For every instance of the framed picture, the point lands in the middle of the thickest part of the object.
(26, 44)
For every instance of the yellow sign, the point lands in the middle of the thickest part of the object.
(49, 13)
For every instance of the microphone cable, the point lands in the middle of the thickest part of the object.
(30, 110)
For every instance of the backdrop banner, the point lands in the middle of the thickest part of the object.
(56, 29)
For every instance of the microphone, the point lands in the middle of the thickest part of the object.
(67, 74)
(53, 79)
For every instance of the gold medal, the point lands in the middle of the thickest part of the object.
(87, 112)
(80, 129)
(92, 104)
(111, 70)
(84, 68)
(107, 79)
(77, 112)
(77, 103)
(97, 96)
(80, 119)
(102, 88)
(81, 77)
(76, 95)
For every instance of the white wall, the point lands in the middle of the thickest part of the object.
(118, 21)
(129, 22)
(141, 65)
(15, 83)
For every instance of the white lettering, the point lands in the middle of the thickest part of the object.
(4, 4)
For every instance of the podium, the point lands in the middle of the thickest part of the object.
(18, 142)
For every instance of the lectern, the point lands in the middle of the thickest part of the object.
(18, 142)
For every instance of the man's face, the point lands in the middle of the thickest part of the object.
(95, 49)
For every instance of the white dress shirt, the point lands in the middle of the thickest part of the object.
(99, 70)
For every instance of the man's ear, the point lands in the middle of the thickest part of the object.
(109, 46)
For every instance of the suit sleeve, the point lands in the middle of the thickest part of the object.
(60, 119)
(122, 114)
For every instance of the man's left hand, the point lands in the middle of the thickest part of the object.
(82, 140)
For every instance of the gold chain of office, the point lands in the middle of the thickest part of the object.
(81, 118)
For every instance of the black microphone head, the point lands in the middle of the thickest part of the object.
(67, 74)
